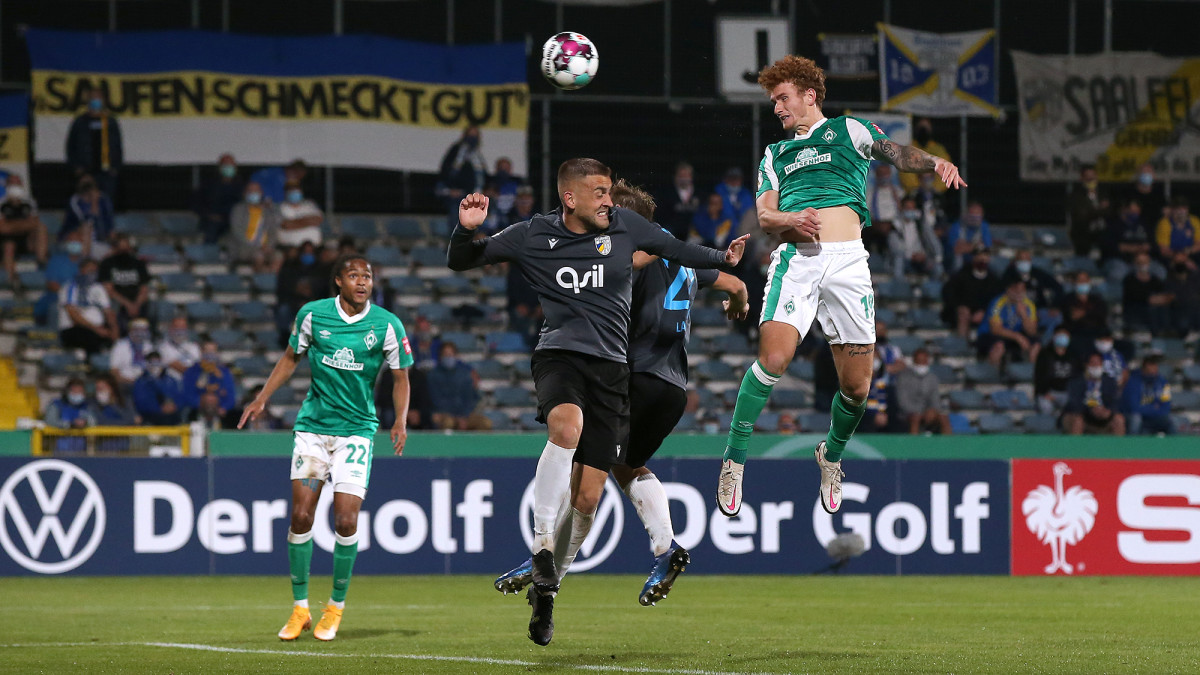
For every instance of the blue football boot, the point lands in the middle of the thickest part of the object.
(666, 568)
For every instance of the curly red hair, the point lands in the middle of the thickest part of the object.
(802, 72)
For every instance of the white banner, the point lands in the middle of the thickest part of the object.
(1116, 110)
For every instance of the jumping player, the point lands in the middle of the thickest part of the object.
(347, 340)
(580, 261)
(812, 192)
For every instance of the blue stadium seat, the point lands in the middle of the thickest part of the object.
(227, 283)
(408, 286)
(966, 399)
(264, 282)
(878, 264)
(136, 224)
(60, 363)
(33, 279)
(362, 228)
(288, 419)
(436, 312)
(491, 369)
(924, 318)
(267, 338)
(1185, 399)
(202, 254)
(513, 397)
(896, 289)
(801, 369)
(768, 422)
(520, 366)
(204, 311)
(906, 343)
(715, 370)
(440, 228)
(507, 343)
(500, 421)
(687, 423)
(931, 290)
(885, 315)
(100, 362)
(961, 426)
(1043, 263)
(953, 346)
(1191, 374)
(1041, 424)
(164, 312)
(404, 229)
(453, 285)
(789, 399)
(52, 221)
(181, 225)
(733, 343)
(429, 256)
(709, 317)
(814, 422)
(1052, 237)
(1080, 264)
(528, 422)
(1172, 349)
(708, 398)
(1013, 236)
(229, 338)
(178, 282)
(250, 311)
(946, 374)
(494, 285)
(995, 423)
(285, 396)
(465, 342)
(999, 264)
(381, 255)
(160, 253)
(981, 373)
(1019, 372)
(1011, 399)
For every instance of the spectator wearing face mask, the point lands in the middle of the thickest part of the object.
(913, 245)
(1146, 302)
(156, 395)
(1054, 369)
(454, 390)
(1087, 212)
(1127, 238)
(128, 358)
(85, 317)
(1111, 358)
(274, 179)
(884, 198)
(967, 294)
(21, 229)
(1179, 231)
(1147, 400)
(94, 144)
(736, 198)
(678, 203)
(215, 199)
(712, 226)
(506, 188)
(1183, 283)
(254, 228)
(126, 279)
(1085, 313)
(1150, 195)
(1010, 331)
(299, 281)
(70, 411)
(965, 235)
(299, 218)
(109, 407)
(1040, 285)
(209, 376)
(90, 211)
(463, 171)
(923, 140)
(918, 403)
(177, 348)
(62, 267)
(1092, 401)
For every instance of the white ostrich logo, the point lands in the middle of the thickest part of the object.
(1060, 518)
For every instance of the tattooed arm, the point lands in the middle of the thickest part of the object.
(914, 160)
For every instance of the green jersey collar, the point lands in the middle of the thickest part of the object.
(346, 317)
(811, 129)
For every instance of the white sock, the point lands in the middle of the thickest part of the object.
(339, 605)
(650, 500)
(581, 524)
(562, 539)
(551, 486)
(302, 603)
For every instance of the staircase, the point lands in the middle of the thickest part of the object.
(15, 401)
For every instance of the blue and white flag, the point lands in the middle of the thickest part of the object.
(938, 74)
(14, 138)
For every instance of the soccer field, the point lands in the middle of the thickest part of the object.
(709, 624)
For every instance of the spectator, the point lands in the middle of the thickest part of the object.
(890, 356)
(128, 358)
(209, 376)
(787, 424)
(426, 346)
(90, 211)
(1040, 285)
(462, 172)
(876, 418)
(85, 317)
(156, 395)
(1127, 237)
(1053, 371)
(208, 412)
(420, 405)
(1183, 283)
(94, 145)
(523, 206)
(506, 188)
(1010, 332)
(70, 411)
(913, 245)
(1145, 299)
(967, 294)
(62, 267)
(109, 407)
(736, 198)
(254, 230)
(1111, 358)
(299, 218)
(677, 204)
(918, 403)
(1092, 400)
(216, 197)
(126, 280)
(265, 421)
(965, 235)
(524, 309)
(1087, 212)
(1179, 231)
(884, 198)
(274, 179)
(455, 395)
(298, 282)
(1150, 195)
(928, 196)
(1147, 400)
(711, 226)
(21, 229)
(1085, 313)
(923, 140)
(495, 220)
(177, 349)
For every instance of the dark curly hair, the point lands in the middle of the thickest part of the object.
(802, 72)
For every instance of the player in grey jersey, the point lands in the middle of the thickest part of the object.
(580, 261)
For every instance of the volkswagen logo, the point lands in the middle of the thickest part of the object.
(609, 522)
(41, 518)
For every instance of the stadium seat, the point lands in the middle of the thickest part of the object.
(100, 362)
(285, 396)
(732, 343)
(250, 311)
(1185, 399)
(946, 374)
(966, 399)
(160, 253)
(894, 290)
(229, 339)
(33, 279)
(715, 370)
(178, 282)
(136, 224)
(164, 312)
(1052, 237)
(60, 363)
(288, 419)
(436, 312)
(708, 317)
(981, 373)
(521, 366)
(465, 342)
(513, 397)
(1172, 349)
(999, 264)
(789, 399)
(226, 283)
(1019, 372)
(954, 346)
(202, 254)
(906, 343)
(53, 222)
(1013, 236)
(499, 419)
(429, 256)
(961, 426)
(924, 318)
(180, 225)
(1043, 263)
(507, 343)
(264, 282)
(494, 285)
(885, 315)
(709, 399)
(995, 423)
(408, 286)
(204, 311)
(528, 422)
(814, 422)
(491, 369)
(440, 228)
(1080, 264)
(453, 285)
(931, 290)
(768, 422)
(404, 229)
(1041, 424)
(686, 424)
(362, 228)
(267, 338)
(1011, 399)
(801, 369)
(381, 255)
(1191, 374)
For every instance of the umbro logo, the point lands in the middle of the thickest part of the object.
(553, 241)
(324, 333)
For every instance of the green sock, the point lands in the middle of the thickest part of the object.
(845, 421)
(299, 559)
(343, 562)
(752, 397)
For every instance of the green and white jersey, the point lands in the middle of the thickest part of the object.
(825, 167)
(346, 353)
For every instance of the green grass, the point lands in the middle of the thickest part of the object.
(439, 624)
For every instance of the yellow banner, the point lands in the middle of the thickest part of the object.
(190, 94)
(14, 145)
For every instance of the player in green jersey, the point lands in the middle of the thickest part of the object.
(812, 193)
(347, 340)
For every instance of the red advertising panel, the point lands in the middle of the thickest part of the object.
(1105, 517)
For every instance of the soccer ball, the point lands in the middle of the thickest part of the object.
(569, 60)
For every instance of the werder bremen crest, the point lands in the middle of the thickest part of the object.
(370, 339)
(604, 244)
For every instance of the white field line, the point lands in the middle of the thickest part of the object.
(406, 657)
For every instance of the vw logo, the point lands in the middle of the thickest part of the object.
(610, 522)
(35, 528)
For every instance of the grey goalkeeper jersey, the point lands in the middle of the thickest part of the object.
(663, 293)
(584, 281)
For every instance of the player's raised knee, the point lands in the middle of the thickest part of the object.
(566, 425)
(302, 518)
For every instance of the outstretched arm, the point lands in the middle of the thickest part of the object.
(283, 370)
(914, 160)
(653, 239)
(466, 251)
(737, 306)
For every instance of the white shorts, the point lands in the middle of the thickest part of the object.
(344, 461)
(829, 282)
